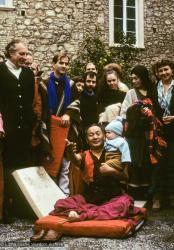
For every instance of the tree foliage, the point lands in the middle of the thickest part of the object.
(94, 49)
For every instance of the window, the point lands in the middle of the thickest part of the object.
(2, 2)
(6, 3)
(126, 16)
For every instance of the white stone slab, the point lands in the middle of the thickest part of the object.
(140, 203)
(39, 189)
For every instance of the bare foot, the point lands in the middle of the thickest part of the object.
(38, 236)
(51, 236)
(73, 216)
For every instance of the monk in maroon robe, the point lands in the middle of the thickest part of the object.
(102, 198)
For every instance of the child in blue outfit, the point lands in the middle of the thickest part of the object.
(116, 146)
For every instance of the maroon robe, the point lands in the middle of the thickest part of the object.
(102, 198)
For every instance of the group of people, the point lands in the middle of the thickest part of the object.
(120, 142)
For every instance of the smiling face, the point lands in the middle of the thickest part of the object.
(61, 66)
(112, 81)
(19, 55)
(165, 73)
(95, 137)
(136, 81)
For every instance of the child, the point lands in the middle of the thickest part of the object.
(116, 147)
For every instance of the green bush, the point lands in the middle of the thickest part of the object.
(95, 50)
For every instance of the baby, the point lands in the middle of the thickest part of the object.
(116, 147)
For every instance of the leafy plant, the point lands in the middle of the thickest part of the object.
(94, 49)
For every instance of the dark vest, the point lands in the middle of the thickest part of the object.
(16, 98)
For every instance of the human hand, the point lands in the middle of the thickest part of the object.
(72, 151)
(65, 121)
(168, 119)
(106, 170)
(71, 145)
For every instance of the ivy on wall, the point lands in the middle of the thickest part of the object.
(94, 49)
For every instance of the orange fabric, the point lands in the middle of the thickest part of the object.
(108, 228)
(89, 168)
(57, 138)
(50, 222)
(37, 102)
(78, 177)
(76, 181)
(37, 108)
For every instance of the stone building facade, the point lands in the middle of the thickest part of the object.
(52, 25)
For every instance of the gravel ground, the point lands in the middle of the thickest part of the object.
(157, 233)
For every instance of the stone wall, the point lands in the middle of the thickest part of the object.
(159, 30)
(52, 25)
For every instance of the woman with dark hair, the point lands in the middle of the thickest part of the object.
(163, 101)
(136, 124)
(142, 86)
(77, 88)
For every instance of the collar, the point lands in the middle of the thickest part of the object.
(97, 154)
(89, 93)
(11, 65)
(160, 84)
